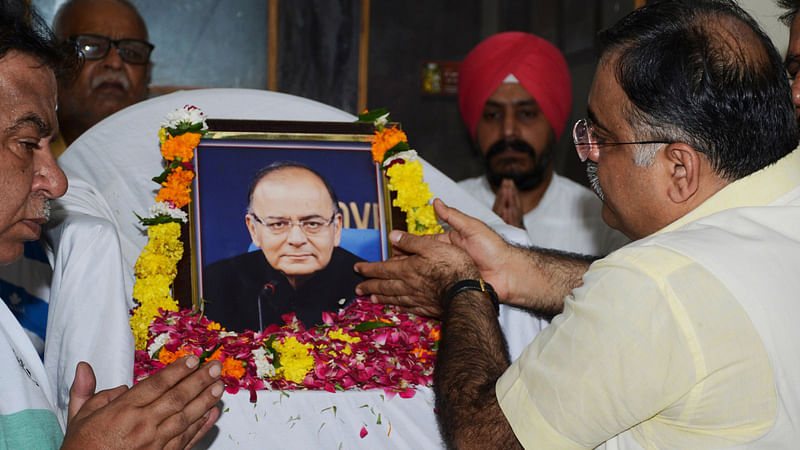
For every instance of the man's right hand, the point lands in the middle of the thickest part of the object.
(171, 409)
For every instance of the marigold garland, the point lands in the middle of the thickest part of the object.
(156, 267)
(404, 171)
(364, 346)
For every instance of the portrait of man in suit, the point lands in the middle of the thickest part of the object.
(294, 220)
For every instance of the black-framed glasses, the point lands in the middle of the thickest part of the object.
(584, 139)
(94, 46)
(281, 225)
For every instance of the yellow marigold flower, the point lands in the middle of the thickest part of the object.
(295, 359)
(342, 336)
(180, 146)
(143, 316)
(165, 239)
(162, 135)
(151, 289)
(412, 198)
(233, 368)
(214, 326)
(151, 264)
(386, 139)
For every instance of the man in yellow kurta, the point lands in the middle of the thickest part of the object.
(685, 338)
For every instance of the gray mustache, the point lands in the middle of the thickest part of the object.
(111, 77)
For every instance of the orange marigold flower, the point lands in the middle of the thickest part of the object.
(233, 368)
(214, 326)
(420, 353)
(179, 177)
(216, 355)
(166, 357)
(179, 195)
(180, 146)
(384, 140)
(434, 334)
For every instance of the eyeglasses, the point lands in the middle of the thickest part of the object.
(584, 139)
(93, 46)
(279, 226)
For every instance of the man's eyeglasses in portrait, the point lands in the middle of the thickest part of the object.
(281, 225)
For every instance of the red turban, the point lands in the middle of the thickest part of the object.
(536, 63)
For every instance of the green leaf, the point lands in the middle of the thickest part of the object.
(366, 326)
(371, 116)
(399, 147)
(207, 353)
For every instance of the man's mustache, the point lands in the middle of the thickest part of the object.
(45, 210)
(514, 144)
(114, 77)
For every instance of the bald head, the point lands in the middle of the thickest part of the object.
(71, 11)
(105, 83)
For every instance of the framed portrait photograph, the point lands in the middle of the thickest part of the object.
(282, 212)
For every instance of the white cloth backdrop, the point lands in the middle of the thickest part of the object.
(110, 168)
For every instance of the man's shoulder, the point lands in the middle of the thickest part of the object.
(343, 256)
(236, 264)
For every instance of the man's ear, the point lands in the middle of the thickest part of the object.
(251, 227)
(337, 223)
(683, 168)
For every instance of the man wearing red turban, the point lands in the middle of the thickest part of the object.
(514, 94)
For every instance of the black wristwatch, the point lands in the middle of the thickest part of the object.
(473, 285)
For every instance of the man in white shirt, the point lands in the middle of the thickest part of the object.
(514, 95)
(685, 338)
(171, 409)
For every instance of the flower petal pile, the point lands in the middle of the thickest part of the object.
(365, 346)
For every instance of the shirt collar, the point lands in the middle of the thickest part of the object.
(757, 189)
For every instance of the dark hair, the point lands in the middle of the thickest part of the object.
(703, 72)
(280, 165)
(24, 31)
(792, 7)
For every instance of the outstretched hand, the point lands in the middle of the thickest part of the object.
(416, 280)
(171, 409)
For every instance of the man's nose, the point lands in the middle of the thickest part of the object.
(113, 59)
(510, 125)
(48, 178)
(296, 236)
(796, 95)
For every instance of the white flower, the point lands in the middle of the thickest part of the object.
(264, 367)
(224, 334)
(408, 155)
(381, 121)
(187, 116)
(167, 209)
(158, 342)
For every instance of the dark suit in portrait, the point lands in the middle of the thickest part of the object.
(233, 289)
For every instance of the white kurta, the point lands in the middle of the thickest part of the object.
(27, 411)
(567, 218)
